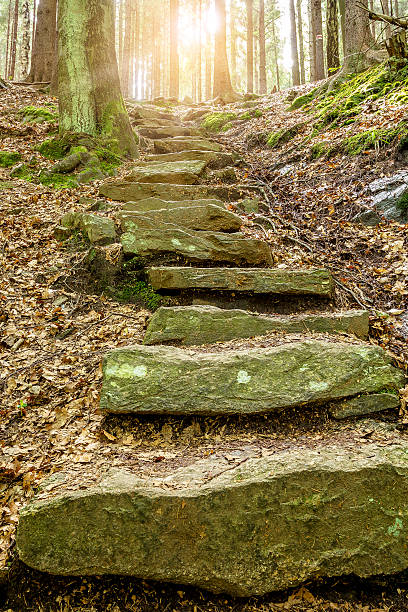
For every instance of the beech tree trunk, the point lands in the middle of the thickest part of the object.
(43, 50)
(127, 49)
(13, 46)
(90, 100)
(301, 43)
(262, 49)
(174, 57)
(312, 42)
(250, 45)
(25, 43)
(293, 44)
(357, 36)
(318, 31)
(208, 59)
(222, 78)
(332, 22)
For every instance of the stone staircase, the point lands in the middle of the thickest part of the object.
(254, 518)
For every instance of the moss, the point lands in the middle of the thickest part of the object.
(58, 181)
(23, 172)
(141, 293)
(53, 148)
(402, 203)
(217, 121)
(9, 158)
(250, 114)
(374, 139)
(34, 114)
(304, 100)
(321, 149)
(281, 137)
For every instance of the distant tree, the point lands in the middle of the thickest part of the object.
(317, 32)
(332, 24)
(293, 44)
(90, 98)
(301, 47)
(222, 79)
(25, 42)
(250, 45)
(43, 49)
(174, 57)
(262, 49)
(13, 45)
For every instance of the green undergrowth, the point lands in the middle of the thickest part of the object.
(402, 203)
(140, 292)
(60, 146)
(56, 180)
(377, 139)
(9, 158)
(250, 114)
(36, 114)
(217, 122)
(280, 137)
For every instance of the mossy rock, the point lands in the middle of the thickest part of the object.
(216, 122)
(35, 114)
(9, 158)
(281, 137)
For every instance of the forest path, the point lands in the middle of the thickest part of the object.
(310, 495)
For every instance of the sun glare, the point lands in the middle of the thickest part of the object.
(189, 30)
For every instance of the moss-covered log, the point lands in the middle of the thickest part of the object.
(90, 99)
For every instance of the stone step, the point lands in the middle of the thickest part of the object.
(271, 519)
(216, 160)
(128, 190)
(156, 123)
(193, 325)
(195, 247)
(156, 133)
(145, 113)
(207, 217)
(170, 380)
(177, 145)
(176, 173)
(266, 281)
(158, 204)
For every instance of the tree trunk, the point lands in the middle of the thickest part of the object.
(250, 46)
(342, 9)
(332, 21)
(6, 63)
(13, 46)
(43, 49)
(373, 28)
(222, 79)
(90, 100)
(386, 10)
(25, 43)
(276, 56)
(174, 58)
(312, 42)
(127, 49)
(357, 36)
(293, 44)
(301, 42)
(318, 29)
(208, 59)
(262, 49)
(233, 43)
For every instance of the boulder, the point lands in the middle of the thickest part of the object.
(365, 404)
(191, 325)
(388, 193)
(176, 172)
(271, 281)
(207, 217)
(176, 145)
(170, 380)
(192, 246)
(99, 230)
(213, 159)
(127, 190)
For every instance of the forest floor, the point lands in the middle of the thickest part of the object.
(53, 336)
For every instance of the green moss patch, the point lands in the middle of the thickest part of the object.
(140, 292)
(9, 158)
(304, 100)
(376, 139)
(34, 114)
(216, 122)
(280, 137)
(402, 203)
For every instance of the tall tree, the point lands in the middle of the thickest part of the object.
(222, 79)
(127, 49)
(332, 24)
(294, 44)
(357, 36)
(318, 32)
(13, 46)
(90, 98)
(312, 42)
(174, 57)
(208, 57)
(301, 47)
(25, 43)
(262, 49)
(43, 48)
(250, 45)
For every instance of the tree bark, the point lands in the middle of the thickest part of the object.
(6, 63)
(293, 44)
(25, 43)
(332, 22)
(43, 50)
(174, 57)
(208, 59)
(312, 42)
(357, 36)
(127, 49)
(13, 46)
(318, 30)
(90, 100)
(222, 79)
(301, 42)
(250, 45)
(262, 49)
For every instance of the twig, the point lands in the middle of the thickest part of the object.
(343, 286)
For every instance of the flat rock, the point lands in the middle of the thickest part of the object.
(207, 217)
(127, 190)
(212, 158)
(272, 281)
(170, 380)
(193, 246)
(166, 132)
(158, 204)
(175, 172)
(264, 525)
(365, 404)
(99, 230)
(176, 145)
(191, 325)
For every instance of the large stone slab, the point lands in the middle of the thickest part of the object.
(213, 159)
(166, 132)
(193, 246)
(175, 172)
(207, 217)
(169, 380)
(176, 145)
(127, 190)
(267, 524)
(365, 404)
(273, 281)
(191, 325)
(158, 204)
